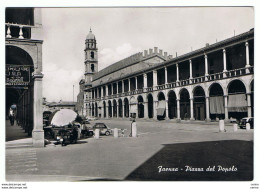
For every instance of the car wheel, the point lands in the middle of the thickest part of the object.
(107, 133)
(90, 134)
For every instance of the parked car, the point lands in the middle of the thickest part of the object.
(104, 130)
(233, 120)
(87, 130)
(246, 120)
(91, 118)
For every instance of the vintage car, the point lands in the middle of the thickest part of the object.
(103, 129)
(87, 130)
(246, 120)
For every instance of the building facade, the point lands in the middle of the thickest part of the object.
(23, 45)
(211, 83)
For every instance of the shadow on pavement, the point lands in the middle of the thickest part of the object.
(235, 155)
(14, 132)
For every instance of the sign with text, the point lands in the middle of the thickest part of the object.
(17, 75)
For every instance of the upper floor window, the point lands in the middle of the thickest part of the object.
(92, 67)
(22, 16)
(92, 54)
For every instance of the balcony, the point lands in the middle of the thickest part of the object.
(18, 31)
(211, 77)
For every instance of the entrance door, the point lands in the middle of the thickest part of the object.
(200, 112)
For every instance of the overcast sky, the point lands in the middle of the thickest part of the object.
(121, 32)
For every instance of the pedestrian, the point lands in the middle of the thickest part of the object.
(11, 117)
(79, 129)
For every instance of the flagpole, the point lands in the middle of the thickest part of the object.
(73, 94)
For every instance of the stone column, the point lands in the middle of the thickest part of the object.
(226, 107)
(129, 85)
(145, 109)
(191, 69)
(206, 65)
(101, 95)
(166, 110)
(190, 81)
(117, 110)
(155, 79)
(165, 73)
(207, 109)
(178, 110)
(191, 110)
(107, 111)
(117, 86)
(112, 90)
(37, 133)
(123, 86)
(247, 54)
(145, 81)
(123, 109)
(102, 110)
(106, 94)
(155, 110)
(224, 62)
(177, 73)
(95, 112)
(249, 111)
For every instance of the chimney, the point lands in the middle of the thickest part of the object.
(140, 55)
(165, 54)
(170, 56)
(145, 53)
(150, 51)
(160, 51)
(207, 44)
(156, 50)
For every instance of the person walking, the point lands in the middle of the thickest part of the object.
(11, 117)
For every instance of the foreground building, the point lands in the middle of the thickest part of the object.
(211, 83)
(23, 64)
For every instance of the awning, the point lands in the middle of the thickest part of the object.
(237, 103)
(161, 108)
(217, 105)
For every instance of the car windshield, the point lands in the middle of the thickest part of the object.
(100, 125)
(243, 121)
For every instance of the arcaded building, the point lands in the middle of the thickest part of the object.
(23, 78)
(211, 83)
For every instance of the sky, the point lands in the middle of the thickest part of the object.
(121, 32)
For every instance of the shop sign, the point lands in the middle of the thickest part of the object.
(17, 75)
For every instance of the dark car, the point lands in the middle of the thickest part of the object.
(246, 120)
(86, 128)
(103, 129)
